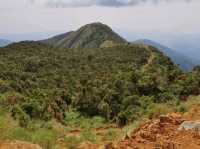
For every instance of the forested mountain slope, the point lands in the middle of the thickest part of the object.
(118, 83)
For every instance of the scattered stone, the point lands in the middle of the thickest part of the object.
(148, 136)
(163, 133)
(87, 145)
(164, 118)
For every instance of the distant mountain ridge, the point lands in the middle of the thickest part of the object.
(4, 42)
(178, 58)
(92, 35)
(98, 35)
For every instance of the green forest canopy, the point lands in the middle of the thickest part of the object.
(119, 83)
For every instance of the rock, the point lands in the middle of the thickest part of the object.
(164, 119)
(110, 146)
(190, 125)
(175, 115)
(173, 118)
(165, 145)
(148, 135)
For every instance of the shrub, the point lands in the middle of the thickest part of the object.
(159, 109)
(88, 136)
(19, 114)
(166, 96)
(182, 109)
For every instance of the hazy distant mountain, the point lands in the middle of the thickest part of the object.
(185, 62)
(188, 45)
(93, 35)
(184, 43)
(32, 36)
(4, 42)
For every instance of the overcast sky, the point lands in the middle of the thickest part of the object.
(169, 16)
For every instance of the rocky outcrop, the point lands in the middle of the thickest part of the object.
(190, 125)
(164, 133)
(172, 131)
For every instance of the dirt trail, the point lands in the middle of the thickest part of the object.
(97, 131)
(149, 62)
(18, 145)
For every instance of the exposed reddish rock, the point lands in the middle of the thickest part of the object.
(163, 133)
(87, 145)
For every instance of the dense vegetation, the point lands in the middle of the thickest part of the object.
(119, 83)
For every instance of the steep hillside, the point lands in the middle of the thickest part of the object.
(56, 39)
(87, 79)
(89, 36)
(185, 62)
(188, 44)
(4, 42)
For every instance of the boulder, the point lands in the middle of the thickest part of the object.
(190, 125)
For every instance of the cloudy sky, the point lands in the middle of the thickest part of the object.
(125, 16)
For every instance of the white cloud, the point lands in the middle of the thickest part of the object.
(21, 16)
(108, 3)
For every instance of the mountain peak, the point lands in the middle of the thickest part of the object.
(92, 35)
(96, 25)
